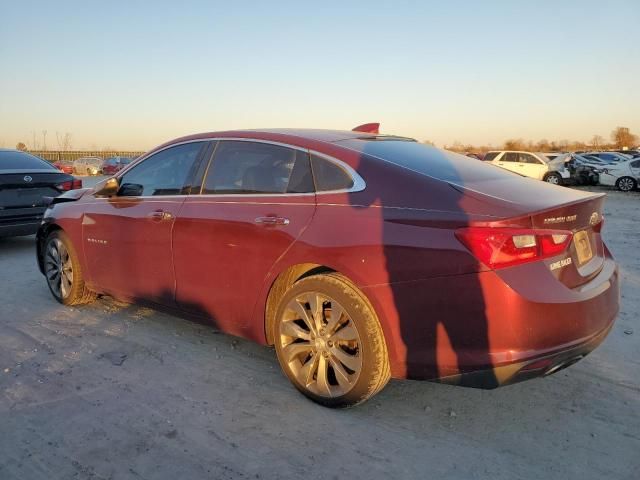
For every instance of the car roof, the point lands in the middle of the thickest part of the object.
(286, 135)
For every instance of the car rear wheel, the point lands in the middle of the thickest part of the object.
(63, 272)
(626, 184)
(553, 178)
(329, 341)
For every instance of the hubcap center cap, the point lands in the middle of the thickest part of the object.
(321, 343)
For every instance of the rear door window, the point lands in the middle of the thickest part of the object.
(244, 167)
(528, 158)
(510, 157)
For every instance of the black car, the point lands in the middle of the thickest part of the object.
(24, 182)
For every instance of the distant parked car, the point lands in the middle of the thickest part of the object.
(24, 182)
(623, 175)
(88, 166)
(113, 165)
(473, 155)
(534, 165)
(65, 166)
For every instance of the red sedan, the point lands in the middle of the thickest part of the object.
(359, 256)
(64, 166)
(113, 165)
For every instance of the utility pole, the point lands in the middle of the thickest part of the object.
(44, 139)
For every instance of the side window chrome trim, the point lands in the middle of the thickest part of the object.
(358, 182)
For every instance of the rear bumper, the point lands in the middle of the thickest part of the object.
(486, 329)
(19, 230)
(520, 371)
(19, 222)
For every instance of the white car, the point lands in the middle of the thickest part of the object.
(529, 164)
(623, 175)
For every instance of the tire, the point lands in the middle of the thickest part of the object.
(63, 272)
(88, 172)
(553, 178)
(626, 184)
(337, 364)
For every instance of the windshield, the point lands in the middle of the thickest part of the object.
(91, 161)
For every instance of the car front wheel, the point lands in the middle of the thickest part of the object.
(329, 341)
(553, 178)
(626, 184)
(63, 272)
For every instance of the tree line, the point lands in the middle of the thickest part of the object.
(621, 138)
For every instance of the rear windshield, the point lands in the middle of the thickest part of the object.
(20, 160)
(427, 160)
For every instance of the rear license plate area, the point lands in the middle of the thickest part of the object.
(582, 244)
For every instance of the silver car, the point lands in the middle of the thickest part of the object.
(88, 166)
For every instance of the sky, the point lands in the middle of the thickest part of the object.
(133, 74)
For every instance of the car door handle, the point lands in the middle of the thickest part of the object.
(159, 215)
(272, 220)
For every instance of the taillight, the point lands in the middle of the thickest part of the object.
(505, 247)
(70, 185)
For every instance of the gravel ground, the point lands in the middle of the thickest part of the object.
(113, 391)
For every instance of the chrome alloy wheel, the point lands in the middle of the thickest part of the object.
(58, 268)
(320, 344)
(625, 184)
(553, 179)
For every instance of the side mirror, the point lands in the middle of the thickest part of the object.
(108, 188)
(130, 190)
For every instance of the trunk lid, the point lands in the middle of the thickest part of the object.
(25, 189)
(540, 206)
(585, 256)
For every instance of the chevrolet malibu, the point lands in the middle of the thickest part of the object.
(359, 256)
